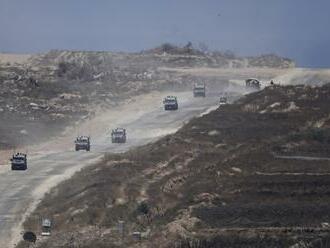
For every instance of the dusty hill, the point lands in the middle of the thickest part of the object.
(254, 173)
(216, 59)
(44, 93)
(38, 99)
(9, 58)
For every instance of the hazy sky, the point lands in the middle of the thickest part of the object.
(298, 29)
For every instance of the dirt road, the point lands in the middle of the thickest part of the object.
(145, 121)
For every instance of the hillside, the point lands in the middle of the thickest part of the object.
(250, 174)
(42, 94)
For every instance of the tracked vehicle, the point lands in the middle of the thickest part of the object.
(82, 143)
(252, 83)
(118, 135)
(170, 103)
(199, 90)
(223, 100)
(19, 161)
(46, 226)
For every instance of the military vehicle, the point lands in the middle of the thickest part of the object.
(118, 135)
(223, 100)
(82, 143)
(252, 83)
(170, 103)
(19, 161)
(46, 226)
(199, 90)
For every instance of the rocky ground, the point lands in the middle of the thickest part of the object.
(41, 94)
(250, 174)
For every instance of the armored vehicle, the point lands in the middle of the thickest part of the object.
(199, 90)
(118, 135)
(19, 161)
(82, 143)
(170, 103)
(46, 226)
(223, 100)
(252, 83)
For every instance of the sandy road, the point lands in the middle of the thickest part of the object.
(145, 121)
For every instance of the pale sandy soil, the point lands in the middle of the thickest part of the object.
(231, 73)
(14, 58)
(100, 125)
(279, 76)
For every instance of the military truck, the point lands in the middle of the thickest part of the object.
(170, 103)
(252, 83)
(46, 226)
(19, 161)
(199, 90)
(118, 135)
(82, 143)
(223, 100)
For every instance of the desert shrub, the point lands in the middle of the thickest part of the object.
(316, 134)
(143, 208)
(320, 134)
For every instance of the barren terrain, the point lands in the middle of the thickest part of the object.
(244, 175)
(250, 174)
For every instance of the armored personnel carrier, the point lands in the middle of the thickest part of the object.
(223, 100)
(118, 135)
(170, 103)
(252, 83)
(19, 161)
(199, 90)
(46, 226)
(82, 143)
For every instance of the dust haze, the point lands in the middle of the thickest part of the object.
(182, 173)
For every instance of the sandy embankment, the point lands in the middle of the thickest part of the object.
(14, 58)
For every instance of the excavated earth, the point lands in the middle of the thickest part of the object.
(255, 173)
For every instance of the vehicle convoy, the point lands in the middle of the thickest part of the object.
(82, 143)
(118, 135)
(223, 100)
(252, 83)
(199, 90)
(170, 103)
(19, 161)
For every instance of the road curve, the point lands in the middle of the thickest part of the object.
(22, 190)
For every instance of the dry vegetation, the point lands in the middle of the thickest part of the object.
(251, 174)
(42, 94)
